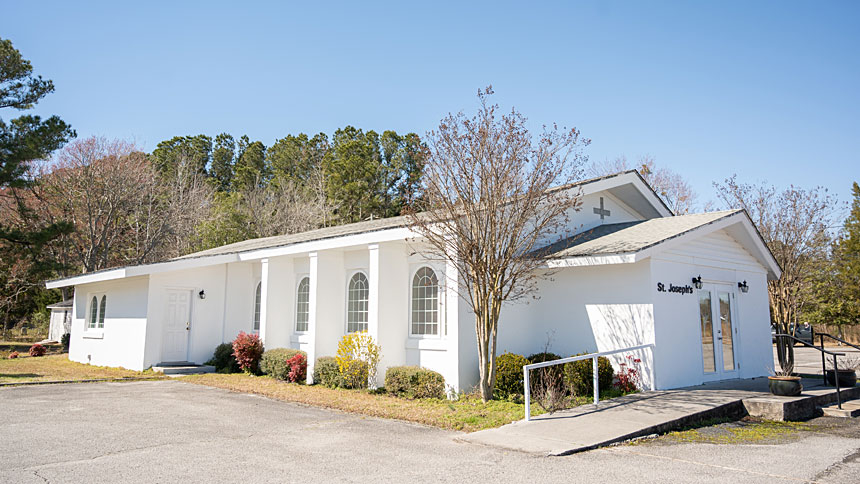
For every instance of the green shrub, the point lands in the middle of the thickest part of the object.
(548, 376)
(274, 362)
(223, 359)
(579, 376)
(66, 341)
(326, 372)
(509, 374)
(414, 382)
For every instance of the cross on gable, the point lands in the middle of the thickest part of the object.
(601, 211)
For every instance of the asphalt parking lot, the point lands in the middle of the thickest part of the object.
(808, 360)
(170, 431)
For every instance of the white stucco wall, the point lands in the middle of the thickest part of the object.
(242, 279)
(719, 259)
(392, 333)
(600, 308)
(583, 310)
(207, 315)
(281, 299)
(121, 342)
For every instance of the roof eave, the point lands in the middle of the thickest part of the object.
(141, 270)
(764, 256)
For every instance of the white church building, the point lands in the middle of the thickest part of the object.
(694, 286)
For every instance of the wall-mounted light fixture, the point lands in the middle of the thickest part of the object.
(697, 282)
(202, 294)
(743, 287)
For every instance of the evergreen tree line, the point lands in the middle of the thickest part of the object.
(298, 183)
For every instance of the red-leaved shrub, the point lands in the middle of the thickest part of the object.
(248, 349)
(629, 377)
(37, 350)
(13, 355)
(298, 368)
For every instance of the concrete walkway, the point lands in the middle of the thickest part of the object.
(591, 426)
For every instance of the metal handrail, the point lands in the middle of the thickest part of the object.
(823, 366)
(836, 338)
(591, 356)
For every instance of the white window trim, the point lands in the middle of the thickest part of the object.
(95, 330)
(259, 282)
(346, 300)
(300, 278)
(440, 297)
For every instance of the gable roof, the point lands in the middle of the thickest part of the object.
(627, 237)
(628, 186)
(638, 238)
(403, 221)
(309, 236)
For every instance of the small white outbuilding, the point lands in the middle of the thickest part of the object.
(694, 286)
(61, 320)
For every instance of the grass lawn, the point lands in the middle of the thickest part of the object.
(7, 347)
(57, 367)
(468, 413)
(745, 431)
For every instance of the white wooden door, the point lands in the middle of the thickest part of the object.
(177, 326)
(719, 331)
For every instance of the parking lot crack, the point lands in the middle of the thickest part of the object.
(832, 468)
(40, 476)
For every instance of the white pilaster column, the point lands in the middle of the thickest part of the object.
(313, 282)
(373, 302)
(264, 299)
(373, 292)
(451, 331)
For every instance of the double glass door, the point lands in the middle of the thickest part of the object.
(718, 330)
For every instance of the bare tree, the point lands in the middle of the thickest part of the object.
(795, 224)
(108, 190)
(186, 201)
(283, 208)
(489, 205)
(674, 189)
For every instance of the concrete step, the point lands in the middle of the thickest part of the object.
(850, 409)
(184, 368)
(802, 407)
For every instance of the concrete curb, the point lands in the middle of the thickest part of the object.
(92, 380)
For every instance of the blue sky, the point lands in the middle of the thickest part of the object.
(767, 90)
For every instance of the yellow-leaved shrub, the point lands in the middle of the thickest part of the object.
(357, 358)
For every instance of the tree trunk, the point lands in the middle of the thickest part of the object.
(785, 354)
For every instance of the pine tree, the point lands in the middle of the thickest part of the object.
(847, 260)
(23, 140)
(222, 161)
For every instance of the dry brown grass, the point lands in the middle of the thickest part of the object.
(468, 413)
(57, 368)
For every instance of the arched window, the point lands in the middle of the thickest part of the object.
(356, 309)
(102, 312)
(258, 294)
(425, 303)
(303, 294)
(94, 312)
